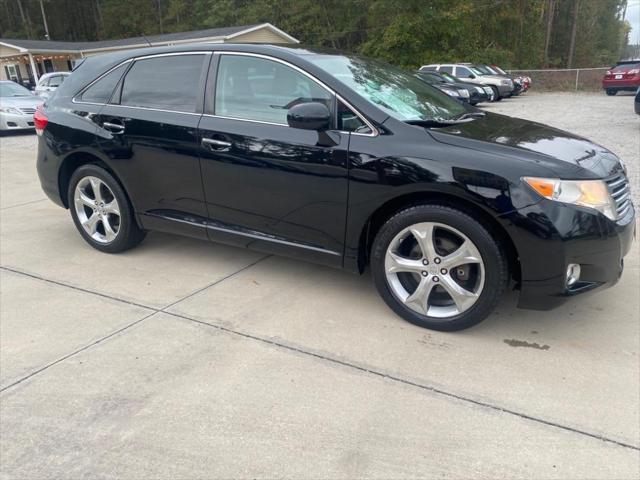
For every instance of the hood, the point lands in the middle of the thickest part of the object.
(31, 101)
(568, 155)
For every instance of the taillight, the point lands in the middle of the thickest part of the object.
(608, 72)
(634, 71)
(40, 120)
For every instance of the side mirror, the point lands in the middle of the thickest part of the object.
(471, 75)
(309, 116)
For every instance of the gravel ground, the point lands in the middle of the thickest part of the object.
(609, 121)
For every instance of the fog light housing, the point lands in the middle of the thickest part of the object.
(573, 274)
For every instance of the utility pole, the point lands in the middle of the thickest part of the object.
(44, 20)
(547, 36)
(160, 16)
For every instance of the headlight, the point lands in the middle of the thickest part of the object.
(488, 90)
(12, 110)
(464, 93)
(479, 89)
(587, 193)
(452, 93)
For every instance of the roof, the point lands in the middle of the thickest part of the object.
(225, 33)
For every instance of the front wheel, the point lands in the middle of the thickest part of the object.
(438, 268)
(496, 94)
(611, 92)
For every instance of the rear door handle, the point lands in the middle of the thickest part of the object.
(216, 145)
(113, 127)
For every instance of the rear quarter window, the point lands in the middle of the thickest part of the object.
(102, 89)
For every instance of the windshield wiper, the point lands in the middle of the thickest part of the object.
(470, 115)
(443, 122)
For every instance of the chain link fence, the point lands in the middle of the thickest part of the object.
(573, 79)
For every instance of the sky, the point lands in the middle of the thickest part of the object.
(633, 16)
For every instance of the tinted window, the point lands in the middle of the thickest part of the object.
(446, 69)
(349, 121)
(463, 72)
(168, 83)
(259, 89)
(100, 92)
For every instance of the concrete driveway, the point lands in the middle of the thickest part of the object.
(183, 359)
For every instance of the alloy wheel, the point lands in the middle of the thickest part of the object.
(434, 269)
(97, 209)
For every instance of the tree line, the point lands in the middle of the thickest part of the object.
(512, 33)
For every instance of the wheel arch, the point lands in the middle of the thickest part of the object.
(388, 209)
(74, 161)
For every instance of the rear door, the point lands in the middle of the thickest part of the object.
(149, 132)
(269, 186)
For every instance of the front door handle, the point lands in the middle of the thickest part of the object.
(116, 128)
(216, 145)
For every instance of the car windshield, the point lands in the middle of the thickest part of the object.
(481, 70)
(397, 92)
(499, 70)
(11, 89)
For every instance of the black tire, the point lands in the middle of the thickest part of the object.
(496, 94)
(493, 257)
(611, 92)
(129, 233)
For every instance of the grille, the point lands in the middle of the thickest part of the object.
(619, 189)
(28, 111)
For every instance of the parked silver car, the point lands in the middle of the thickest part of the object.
(49, 83)
(501, 85)
(17, 106)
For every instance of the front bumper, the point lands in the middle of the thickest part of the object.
(12, 121)
(505, 90)
(550, 235)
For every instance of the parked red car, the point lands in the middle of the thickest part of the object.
(624, 76)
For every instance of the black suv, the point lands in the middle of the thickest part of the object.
(336, 159)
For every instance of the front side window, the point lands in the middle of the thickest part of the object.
(397, 92)
(101, 91)
(56, 81)
(464, 72)
(167, 83)
(253, 88)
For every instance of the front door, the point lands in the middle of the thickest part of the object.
(149, 131)
(269, 186)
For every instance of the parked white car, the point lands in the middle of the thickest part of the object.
(49, 82)
(17, 106)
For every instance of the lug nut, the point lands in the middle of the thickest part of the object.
(424, 274)
(425, 262)
(436, 279)
(437, 260)
(443, 271)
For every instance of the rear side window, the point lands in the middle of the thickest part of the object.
(100, 91)
(167, 83)
(446, 69)
(254, 88)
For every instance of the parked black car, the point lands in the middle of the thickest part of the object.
(636, 104)
(476, 93)
(340, 160)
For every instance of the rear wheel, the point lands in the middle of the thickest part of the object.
(101, 211)
(611, 92)
(438, 268)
